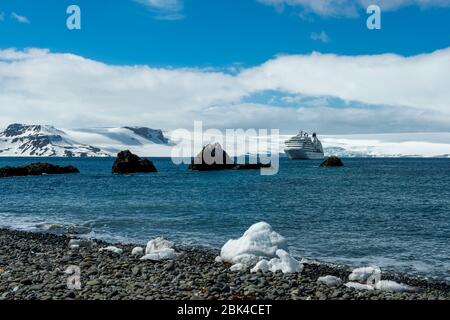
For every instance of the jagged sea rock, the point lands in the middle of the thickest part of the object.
(36, 169)
(332, 161)
(128, 162)
(214, 158)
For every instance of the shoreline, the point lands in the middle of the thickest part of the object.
(33, 266)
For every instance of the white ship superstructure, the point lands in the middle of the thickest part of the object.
(304, 147)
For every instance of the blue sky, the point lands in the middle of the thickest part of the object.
(288, 64)
(214, 33)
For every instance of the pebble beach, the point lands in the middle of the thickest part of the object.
(33, 266)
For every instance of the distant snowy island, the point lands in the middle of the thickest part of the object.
(21, 140)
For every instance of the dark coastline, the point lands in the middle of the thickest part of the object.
(33, 265)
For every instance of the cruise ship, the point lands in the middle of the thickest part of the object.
(303, 147)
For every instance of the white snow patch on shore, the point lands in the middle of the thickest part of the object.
(137, 251)
(359, 286)
(392, 286)
(262, 248)
(285, 263)
(80, 243)
(372, 277)
(330, 281)
(159, 249)
(362, 274)
(112, 249)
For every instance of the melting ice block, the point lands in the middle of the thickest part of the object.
(159, 249)
(112, 249)
(330, 281)
(261, 248)
(362, 274)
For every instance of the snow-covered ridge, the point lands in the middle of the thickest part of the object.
(45, 140)
(426, 144)
(48, 141)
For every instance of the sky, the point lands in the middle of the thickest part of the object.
(287, 64)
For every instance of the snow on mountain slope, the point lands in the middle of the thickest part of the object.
(139, 140)
(37, 140)
(433, 144)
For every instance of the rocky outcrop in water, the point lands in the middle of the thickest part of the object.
(128, 162)
(36, 169)
(332, 161)
(250, 166)
(214, 158)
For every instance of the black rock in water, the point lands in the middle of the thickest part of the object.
(214, 158)
(128, 162)
(36, 169)
(332, 161)
(251, 166)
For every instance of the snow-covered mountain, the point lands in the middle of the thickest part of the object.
(39, 140)
(44, 140)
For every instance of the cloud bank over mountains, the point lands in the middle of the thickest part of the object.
(378, 93)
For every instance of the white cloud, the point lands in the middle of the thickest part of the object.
(19, 18)
(165, 9)
(350, 8)
(420, 81)
(405, 94)
(322, 36)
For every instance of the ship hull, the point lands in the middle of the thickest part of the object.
(299, 154)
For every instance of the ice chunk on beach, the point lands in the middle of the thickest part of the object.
(259, 240)
(80, 243)
(392, 286)
(237, 267)
(358, 286)
(330, 281)
(158, 244)
(362, 274)
(112, 249)
(260, 247)
(159, 249)
(284, 263)
(137, 251)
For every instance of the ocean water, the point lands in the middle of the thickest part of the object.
(394, 213)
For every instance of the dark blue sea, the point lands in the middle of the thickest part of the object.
(394, 213)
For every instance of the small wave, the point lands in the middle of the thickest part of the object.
(63, 229)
